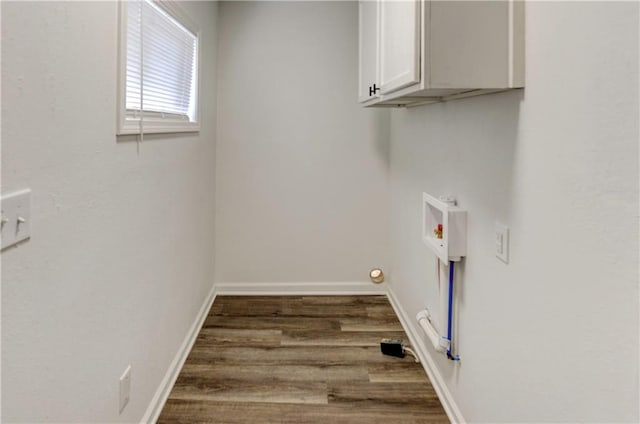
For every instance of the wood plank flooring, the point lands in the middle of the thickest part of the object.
(300, 359)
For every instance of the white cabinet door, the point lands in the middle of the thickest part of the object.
(368, 39)
(399, 44)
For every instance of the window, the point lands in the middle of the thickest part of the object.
(158, 85)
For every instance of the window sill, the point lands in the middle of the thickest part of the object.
(156, 127)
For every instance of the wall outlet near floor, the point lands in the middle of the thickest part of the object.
(502, 242)
(125, 388)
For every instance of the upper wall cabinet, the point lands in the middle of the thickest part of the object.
(415, 52)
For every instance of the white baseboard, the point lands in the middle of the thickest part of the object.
(162, 393)
(411, 328)
(297, 289)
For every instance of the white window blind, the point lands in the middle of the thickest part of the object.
(165, 87)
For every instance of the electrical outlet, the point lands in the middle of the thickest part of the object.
(502, 242)
(125, 388)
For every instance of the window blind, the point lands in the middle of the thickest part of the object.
(168, 63)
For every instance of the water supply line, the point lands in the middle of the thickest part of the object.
(442, 344)
(450, 318)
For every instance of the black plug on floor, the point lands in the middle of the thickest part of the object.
(392, 347)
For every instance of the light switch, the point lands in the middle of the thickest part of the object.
(502, 242)
(16, 217)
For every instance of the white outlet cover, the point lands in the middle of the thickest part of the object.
(125, 388)
(502, 242)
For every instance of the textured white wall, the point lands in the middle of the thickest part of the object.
(120, 258)
(302, 170)
(122, 248)
(553, 335)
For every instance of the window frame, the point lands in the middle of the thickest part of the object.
(154, 122)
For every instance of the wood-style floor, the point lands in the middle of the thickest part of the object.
(300, 359)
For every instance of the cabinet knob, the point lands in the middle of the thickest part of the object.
(373, 90)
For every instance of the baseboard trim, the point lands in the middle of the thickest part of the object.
(297, 289)
(162, 393)
(410, 327)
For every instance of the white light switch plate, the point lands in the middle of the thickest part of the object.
(16, 217)
(502, 242)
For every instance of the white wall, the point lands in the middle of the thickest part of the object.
(123, 242)
(302, 170)
(553, 335)
(120, 258)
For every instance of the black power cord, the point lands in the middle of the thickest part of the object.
(396, 348)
